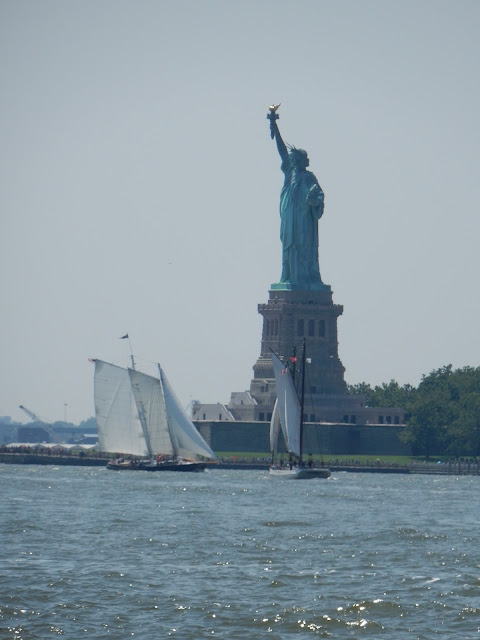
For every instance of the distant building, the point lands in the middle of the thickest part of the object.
(211, 412)
(8, 430)
(87, 438)
(32, 433)
(289, 318)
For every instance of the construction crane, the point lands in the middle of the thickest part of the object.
(30, 414)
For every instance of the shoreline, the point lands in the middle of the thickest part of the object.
(57, 460)
(453, 468)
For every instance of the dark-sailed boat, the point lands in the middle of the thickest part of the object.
(287, 418)
(140, 419)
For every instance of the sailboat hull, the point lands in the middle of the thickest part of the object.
(161, 466)
(300, 473)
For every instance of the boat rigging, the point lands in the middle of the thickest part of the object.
(288, 417)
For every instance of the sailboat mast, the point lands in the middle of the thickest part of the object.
(293, 368)
(127, 337)
(131, 353)
(302, 401)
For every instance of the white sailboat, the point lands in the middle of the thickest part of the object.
(139, 416)
(287, 418)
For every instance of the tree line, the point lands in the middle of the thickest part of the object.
(442, 414)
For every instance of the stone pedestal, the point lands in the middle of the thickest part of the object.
(289, 317)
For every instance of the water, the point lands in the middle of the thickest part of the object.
(87, 552)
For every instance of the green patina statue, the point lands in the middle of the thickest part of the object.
(301, 207)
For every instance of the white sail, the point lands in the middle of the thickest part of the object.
(140, 415)
(288, 405)
(187, 441)
(275, 427)
(151, 410)
(119, 427)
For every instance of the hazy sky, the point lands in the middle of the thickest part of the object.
(140, 187)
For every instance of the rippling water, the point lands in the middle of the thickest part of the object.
(87, 552)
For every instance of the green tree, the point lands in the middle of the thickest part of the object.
(364, 389)
(445, 416)
(442, 414)
(389, 394)
(463, 432)
(426, 427)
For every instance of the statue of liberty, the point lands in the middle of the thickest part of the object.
(301, 207)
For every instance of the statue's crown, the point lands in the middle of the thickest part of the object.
(295, 151)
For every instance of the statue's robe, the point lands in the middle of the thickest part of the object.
(301, 207)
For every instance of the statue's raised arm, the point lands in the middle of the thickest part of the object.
(275, 133)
